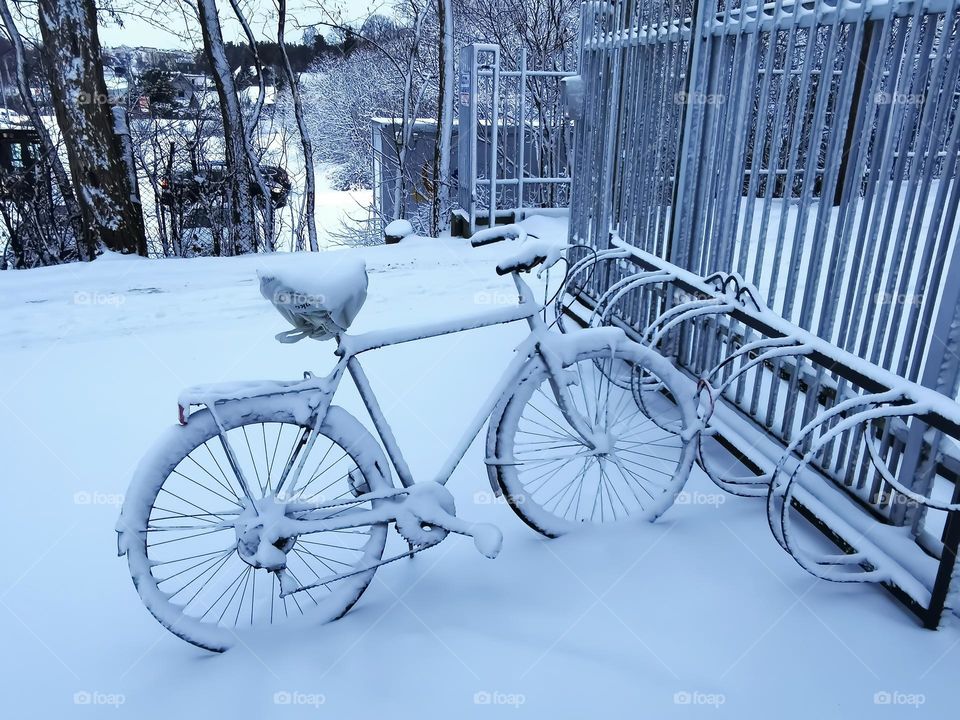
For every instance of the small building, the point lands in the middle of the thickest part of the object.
(419, 161)
(419, 181)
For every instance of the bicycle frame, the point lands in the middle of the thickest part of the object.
(350, 347)
(433, 507)
(425, 505)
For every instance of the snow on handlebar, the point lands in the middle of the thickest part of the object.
(496, 234)
(533, 250)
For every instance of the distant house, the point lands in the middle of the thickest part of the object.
(184, 91)
(199, 81)
(419, 187)
(249, 95)
(192, 90)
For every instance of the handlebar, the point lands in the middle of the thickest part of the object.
(496, 234)
(524, 266)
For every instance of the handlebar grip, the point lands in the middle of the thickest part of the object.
(487, 240)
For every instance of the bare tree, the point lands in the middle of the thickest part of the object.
(309, 201)
(251, 124)
(84, 251)
(105, 183)
(441, 164)
(395, 52)
(408, 61)
(241, 226)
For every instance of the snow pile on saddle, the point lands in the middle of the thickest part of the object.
(319, 294)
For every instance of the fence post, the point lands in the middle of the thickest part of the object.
(467, 136)
(522, 127)
(853, 128)
(494, 139)
(673, 248)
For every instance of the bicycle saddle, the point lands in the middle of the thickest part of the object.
(319, 295)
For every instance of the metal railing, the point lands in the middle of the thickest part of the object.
(810, 148)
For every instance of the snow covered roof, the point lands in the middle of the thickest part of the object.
(251, 93)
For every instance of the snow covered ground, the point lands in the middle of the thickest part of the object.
(700, 614)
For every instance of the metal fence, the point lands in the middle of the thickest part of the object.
(811, 148)
(514, 138)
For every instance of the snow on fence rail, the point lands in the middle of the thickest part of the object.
(812, 149)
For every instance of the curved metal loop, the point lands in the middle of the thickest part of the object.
(686, 311)
(578, 268)
(778, 348)
(619, 289)
(902, 489)
(743, 486)
(783, 487)
(733, 285)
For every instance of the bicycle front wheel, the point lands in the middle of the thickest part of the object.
(180, 516)
(636, 462)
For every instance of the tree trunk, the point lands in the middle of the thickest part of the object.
(106, 192)
(241, 233)
(252, 122)
(309, 209)
(84, 251)
(441, 178)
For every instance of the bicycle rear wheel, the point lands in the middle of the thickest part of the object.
(178, 525)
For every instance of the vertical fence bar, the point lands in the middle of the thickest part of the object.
(522, 128)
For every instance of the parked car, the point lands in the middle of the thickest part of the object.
(184, 187)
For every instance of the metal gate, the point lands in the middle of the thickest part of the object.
(513, 139)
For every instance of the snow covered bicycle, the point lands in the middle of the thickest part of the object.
(271, 505)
